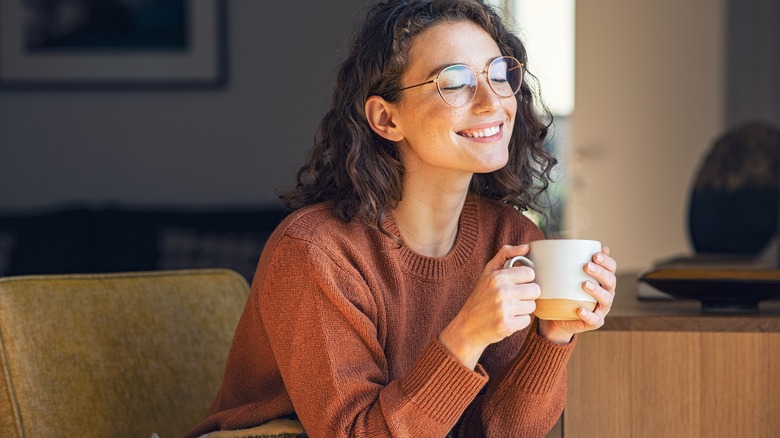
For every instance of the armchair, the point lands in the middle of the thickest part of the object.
(103, 355)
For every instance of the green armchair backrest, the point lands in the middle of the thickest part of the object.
(114, 355)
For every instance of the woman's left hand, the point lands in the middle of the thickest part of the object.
(602, 268)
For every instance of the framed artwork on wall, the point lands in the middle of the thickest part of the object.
(112, 44)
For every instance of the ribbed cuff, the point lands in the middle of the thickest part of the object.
(441, 385)
(539, 363)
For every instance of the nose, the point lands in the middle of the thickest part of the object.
(485, 100)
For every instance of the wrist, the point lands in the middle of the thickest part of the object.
(458, 345)
(546, 330)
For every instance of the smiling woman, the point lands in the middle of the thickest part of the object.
(444, 141)
(381, 305)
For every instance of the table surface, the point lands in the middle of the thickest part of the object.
(631, 314)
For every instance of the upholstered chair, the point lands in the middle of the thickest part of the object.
(114, 355)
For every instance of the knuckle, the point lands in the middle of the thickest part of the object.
(503, 328)
(493, 280)
(596, 320)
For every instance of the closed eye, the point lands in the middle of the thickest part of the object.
(455, 87)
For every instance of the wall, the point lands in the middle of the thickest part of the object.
(753, 61)
(650, 100)
(650, 96)
(232, 146)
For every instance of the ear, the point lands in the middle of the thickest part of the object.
(379, 114)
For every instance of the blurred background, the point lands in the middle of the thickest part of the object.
(211, 105)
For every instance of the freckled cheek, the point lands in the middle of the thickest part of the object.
(438, 127)
(512, 111)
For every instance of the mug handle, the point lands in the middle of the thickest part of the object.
(523, 260)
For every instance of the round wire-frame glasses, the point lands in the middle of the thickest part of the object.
(457, 83)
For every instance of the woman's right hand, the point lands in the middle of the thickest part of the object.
(501, 304)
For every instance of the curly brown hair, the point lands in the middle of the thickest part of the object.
(358, 172)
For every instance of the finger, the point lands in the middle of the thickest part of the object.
(523, 307)
(605, 249)
(528, 292)
(520, 274)
(606, 261)
(592, 319)
(521, 321)
(505, 253)
(603, 297)
(605, 278)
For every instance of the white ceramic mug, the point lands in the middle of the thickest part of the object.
(559, 267)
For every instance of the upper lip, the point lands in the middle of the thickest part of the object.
(481, 126)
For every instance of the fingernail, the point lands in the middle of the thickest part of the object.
(591, 267)
(589, 285)
(599, 257)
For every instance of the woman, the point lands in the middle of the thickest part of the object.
(380, 306)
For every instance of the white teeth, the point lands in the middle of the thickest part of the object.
(488, 132)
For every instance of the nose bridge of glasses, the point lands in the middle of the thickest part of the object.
(486, 84)
(484, 91)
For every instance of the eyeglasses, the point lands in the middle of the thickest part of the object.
(458, 83)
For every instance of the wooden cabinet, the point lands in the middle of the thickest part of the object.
(663, 369)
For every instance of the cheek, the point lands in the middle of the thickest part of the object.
(435, 123)
(512, 109)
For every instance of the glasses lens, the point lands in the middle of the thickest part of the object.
(505, 75)
(457, 84)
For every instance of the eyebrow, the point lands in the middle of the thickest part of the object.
(441, 67)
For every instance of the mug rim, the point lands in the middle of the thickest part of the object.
(565, 240)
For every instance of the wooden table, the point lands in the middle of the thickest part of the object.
(664, 369)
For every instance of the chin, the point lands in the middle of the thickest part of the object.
(489, 168)
(493, 165)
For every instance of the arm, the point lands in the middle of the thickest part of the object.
(322, 322)
(527, 392)
(539, 379)
(526, 397)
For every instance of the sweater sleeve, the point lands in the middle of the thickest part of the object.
(527, 397)
(318, 315)
(526, 394)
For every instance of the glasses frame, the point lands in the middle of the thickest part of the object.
(520, 65)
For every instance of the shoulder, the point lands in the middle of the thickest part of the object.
(503, 223)
(315, 230)
(328, 255)
(503, 215)
(317, 224)
(308, 221)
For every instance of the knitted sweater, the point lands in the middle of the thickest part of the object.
(341, 329)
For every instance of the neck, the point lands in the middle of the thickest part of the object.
(428, 220)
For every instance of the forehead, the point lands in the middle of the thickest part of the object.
(452, 42)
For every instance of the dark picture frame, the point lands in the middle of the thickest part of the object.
(119, 44)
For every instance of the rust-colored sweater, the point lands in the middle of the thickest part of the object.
(341, 329)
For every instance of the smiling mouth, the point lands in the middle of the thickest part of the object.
(481, 133)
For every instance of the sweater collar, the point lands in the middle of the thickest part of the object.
(437, 268)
